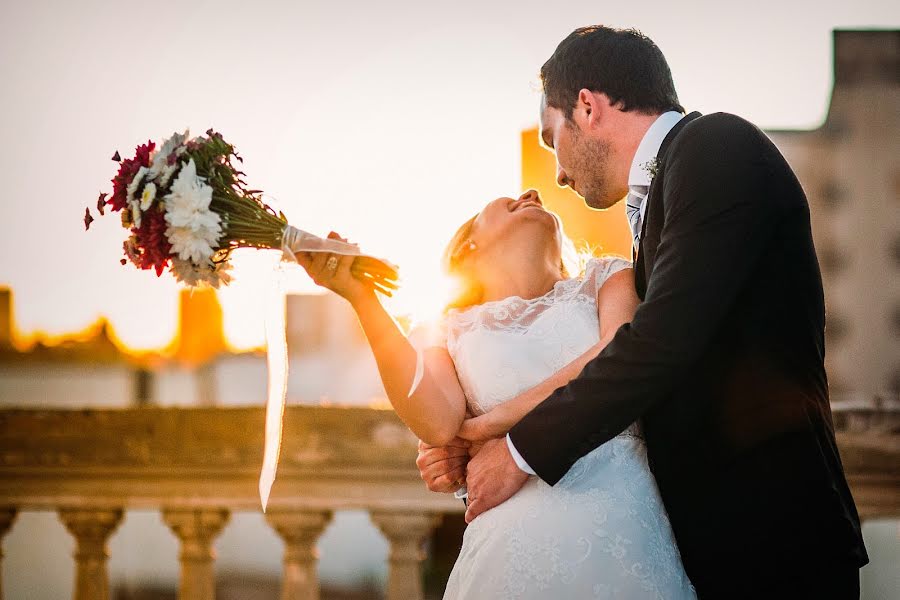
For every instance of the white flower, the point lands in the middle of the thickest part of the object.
(651, 166)
(187, 204)
(161, 157)
(148, 196)
(184, 271)
(194, 230)
(189, 244)
(135, 212)
(202, 274)
(136, 183)
(167, 173)
(218, 275)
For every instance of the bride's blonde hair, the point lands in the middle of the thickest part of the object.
(471, 292)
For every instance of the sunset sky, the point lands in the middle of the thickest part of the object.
(390, 122)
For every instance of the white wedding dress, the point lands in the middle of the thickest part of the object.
(602, 531)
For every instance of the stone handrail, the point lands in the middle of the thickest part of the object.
(197, 465)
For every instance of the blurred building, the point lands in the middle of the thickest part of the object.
(330, 362)
(850, 169)
(86, 368)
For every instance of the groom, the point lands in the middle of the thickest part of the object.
(723, 362)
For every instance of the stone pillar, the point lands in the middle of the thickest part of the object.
(91, 529)
(196, 529)
(7, 516)
(406, 532)
(299, 530)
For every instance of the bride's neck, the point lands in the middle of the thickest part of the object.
(525, 279)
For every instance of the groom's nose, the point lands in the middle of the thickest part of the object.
(562, 178)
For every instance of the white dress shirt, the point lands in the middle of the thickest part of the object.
(638, 177)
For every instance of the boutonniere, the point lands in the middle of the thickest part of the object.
(651, 166)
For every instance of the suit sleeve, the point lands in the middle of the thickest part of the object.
(720, 214)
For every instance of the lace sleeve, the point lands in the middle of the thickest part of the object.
(598, 270)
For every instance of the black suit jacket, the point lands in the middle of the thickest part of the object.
(724, 364)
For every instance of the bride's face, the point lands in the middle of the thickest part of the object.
(510, 234)
(517, 224)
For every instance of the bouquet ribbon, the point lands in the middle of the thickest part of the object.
(294, 241)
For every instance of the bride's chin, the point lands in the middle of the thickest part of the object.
(538, 215)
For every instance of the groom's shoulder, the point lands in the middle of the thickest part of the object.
(720, 127)
(719, 137)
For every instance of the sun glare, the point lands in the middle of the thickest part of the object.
(423, 298)
(424, 291)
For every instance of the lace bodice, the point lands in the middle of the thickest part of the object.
(505, 347)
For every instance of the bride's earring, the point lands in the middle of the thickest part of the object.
(464, 250)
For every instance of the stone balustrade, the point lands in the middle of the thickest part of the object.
(197, 466)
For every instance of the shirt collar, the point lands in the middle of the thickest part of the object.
(649, 147)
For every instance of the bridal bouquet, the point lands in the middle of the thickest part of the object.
(187, 209)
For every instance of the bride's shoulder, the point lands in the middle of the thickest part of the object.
(599, 268)
(607, 261)
(429, 333)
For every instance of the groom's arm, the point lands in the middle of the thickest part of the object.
(722, 208)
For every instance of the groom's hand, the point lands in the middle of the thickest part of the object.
(492, 478)
(443, 468)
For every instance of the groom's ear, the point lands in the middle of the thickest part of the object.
(588, 107)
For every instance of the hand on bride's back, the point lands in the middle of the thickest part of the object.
(332, 272)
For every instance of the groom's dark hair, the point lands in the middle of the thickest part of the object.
(624, 64)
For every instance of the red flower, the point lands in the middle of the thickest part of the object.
(151, 241)
(128, 168)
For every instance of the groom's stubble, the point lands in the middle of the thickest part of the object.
(590, 168)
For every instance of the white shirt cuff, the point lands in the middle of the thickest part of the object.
(520, 462)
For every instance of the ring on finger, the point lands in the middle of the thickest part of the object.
(332, 263)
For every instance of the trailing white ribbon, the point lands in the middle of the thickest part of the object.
(277, 363)
(293, 240)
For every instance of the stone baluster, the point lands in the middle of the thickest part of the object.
(91, 529)
(7, 516)
(299, 530)
(406, 532)
(196, 529)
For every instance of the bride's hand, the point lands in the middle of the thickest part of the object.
(488, 426)
(332, 271)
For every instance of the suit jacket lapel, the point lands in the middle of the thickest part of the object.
(640, 273)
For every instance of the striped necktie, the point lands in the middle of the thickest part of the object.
(637, 194)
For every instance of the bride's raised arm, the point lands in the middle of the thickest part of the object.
(616, 303)
(436, 409)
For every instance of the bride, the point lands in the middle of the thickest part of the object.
(526, 321)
